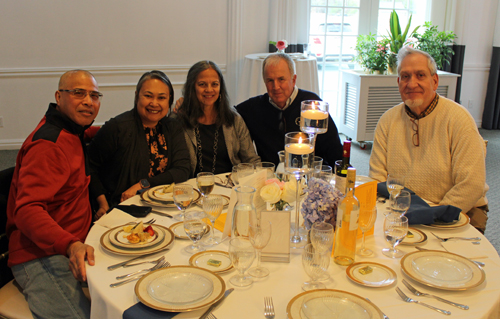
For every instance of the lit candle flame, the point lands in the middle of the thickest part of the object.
(300, 140)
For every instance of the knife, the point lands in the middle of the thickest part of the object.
(115, 266)
(212, 307)
(161, 213)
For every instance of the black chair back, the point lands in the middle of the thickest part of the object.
(5, 180)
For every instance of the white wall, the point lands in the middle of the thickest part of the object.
(117, 40)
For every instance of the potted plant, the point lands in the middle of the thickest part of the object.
(372, 54)
(436, 43)
(397, 39)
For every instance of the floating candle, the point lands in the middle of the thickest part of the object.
(299, 148)
(314, 114)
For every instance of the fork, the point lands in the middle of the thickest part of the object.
(211, 316)
(159, 262)
(159, 266)
(145, 262)
(268, 308)
(419, 293)
(461, 238)
(408, 299)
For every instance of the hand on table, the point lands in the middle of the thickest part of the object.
(130, 192)
(78, 253)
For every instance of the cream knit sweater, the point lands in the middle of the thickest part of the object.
(448, 168)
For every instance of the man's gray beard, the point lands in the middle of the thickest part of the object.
(414, 103)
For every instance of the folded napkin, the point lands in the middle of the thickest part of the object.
(139, 310)
(464, 248)
(115, 218)
(420, 212)
(134, 210)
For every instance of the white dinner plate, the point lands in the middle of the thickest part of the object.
(380, 275)
(147, 197)
(330, 303)
(179, 232)
(118, 238)
(442, 270)
(419, 237)
(107, 245)
(171, 281)
(463, 219)
(201, 260)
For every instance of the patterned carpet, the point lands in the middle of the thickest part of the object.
(360, 159)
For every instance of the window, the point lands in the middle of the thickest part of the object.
(334, 27)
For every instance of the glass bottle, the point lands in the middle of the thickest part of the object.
(242, 211)
(341, 167)
(347, 223)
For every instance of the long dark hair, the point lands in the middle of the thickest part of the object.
(190, 110)
(158, 75)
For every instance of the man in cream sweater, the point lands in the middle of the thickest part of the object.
(432, 141)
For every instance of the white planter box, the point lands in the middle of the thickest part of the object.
(365, 97)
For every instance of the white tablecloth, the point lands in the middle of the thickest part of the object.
(285, 280)
(251, 82)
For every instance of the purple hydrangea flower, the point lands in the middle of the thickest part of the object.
(321, 203)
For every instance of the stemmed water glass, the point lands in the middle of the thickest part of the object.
(245, 169)
(242, 255)
(395, 184)
(205, 182)
(299, 156)
(366, 220)
(183, 197)
(212, 205)
(395, 230)
(195, 227)
(268, 166)
(400, 203)
(315, 264)
(259, 233)
(323, 172)
(322, 236)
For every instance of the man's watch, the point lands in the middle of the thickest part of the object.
(144, 183)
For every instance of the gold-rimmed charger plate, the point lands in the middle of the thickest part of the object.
(201, 260)
(146, 197)
(463, 219)
(442, 270)
(179, 232)
(142, 293)
(380, 275)
(107, 245)
(116, 237)
(225, 199)
(419, 237)
(343, 304)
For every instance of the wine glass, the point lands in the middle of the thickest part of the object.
(366, 221)
(195, 227)
(323, 172)
(242, 254)
(205, 182)
(395, 183)
(183, 197)
(245, 169)
(212, 205)
(322, 236)
(268, 166)
(234, 175)
(401, 202)
(299, 155)
(395, 230)
(259, 234)
(315, 264)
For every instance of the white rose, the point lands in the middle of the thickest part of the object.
(289, 191)
(271, 193)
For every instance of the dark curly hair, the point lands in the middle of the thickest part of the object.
(190, 110)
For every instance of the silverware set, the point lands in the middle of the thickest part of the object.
(408, 299)
(457, 238)
(157, 262)
(268, 308)
(419, 293)
(162, 264)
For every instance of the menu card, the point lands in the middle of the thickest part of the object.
(366, 193)
(278, 248)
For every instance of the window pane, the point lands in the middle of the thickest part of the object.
(351, 21)
(386, 4)
(401, 4)
(318, 2)
(317, 15)
(352, 3)
(335, 3)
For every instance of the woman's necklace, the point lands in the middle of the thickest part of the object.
(198, 148)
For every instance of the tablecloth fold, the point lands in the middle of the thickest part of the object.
(420, 212)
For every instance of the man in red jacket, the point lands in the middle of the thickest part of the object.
(48, 209)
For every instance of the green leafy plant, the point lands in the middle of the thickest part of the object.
(397, 39)
(372, 54)
(436, 43)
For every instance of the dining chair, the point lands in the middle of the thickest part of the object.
(13, 305)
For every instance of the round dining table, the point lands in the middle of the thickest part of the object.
(251, 82)
(285, 279)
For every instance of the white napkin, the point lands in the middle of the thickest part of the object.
(464, 248)
(115, 218)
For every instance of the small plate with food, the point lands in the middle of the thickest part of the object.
(162, 237)
(137, 236)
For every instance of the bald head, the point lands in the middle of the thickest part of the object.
(65, 78)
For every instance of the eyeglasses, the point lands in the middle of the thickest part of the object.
(282, 122)
(414, 125)
(81, 94)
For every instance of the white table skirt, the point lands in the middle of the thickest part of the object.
(285, 280)
(251, 83)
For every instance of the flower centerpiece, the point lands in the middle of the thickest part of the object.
(280, 45)
(321, 203)
(278, 194)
